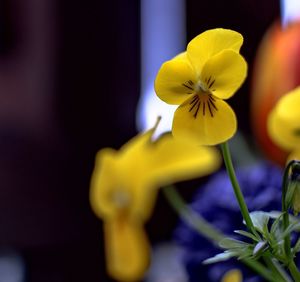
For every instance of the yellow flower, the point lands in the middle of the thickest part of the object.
(234, 275)
(284, 123)
(124, 188)
(198, 80)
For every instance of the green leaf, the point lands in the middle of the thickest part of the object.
(229, 243)
(275, 226)
(247, 234)
(220, 257)
(296, 248)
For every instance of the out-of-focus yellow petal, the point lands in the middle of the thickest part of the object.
(294, 155)
(206, 125)
(224, 73)
(283, 122)
(104, 182)
(282, 131)
(172, 160)
(118, 181)
(211, 42)
(234, 275)
(175, 80)
(288, 105)
(127, 249)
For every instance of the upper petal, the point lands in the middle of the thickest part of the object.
(211, 42)
(175, 80)
(224, 73)
(209, 123)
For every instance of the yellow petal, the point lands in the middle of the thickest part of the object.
(295, 155)
(211, 42)
(224, 73)
(234, 275)
(172, 160)
(283, 121)
(127, 249)
(118, 180)
(288, 105)
(103, 183)
(203, 123)
(175, 80)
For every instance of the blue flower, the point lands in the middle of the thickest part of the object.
(261, 186)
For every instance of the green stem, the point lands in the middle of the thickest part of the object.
(279, 273)
(286, 223)
(236, 187)
(261, 270)
(206, 229)
(294, 271)
(195, 220)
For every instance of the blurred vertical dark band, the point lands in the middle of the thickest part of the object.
(7, 34)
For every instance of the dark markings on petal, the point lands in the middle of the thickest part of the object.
(204, 108)
(213, 104)
(194, 104)
(196, 97)
(208, 80)
(211, 84)
(190, 82)
(210, 111)
(189, 87)
(212, 98)
(198, 106)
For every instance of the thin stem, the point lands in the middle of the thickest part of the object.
(261, 270)
(294, 271)
(236, 187)
(279, 273)
(195, 220)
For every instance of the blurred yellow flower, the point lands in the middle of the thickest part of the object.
(124, 188)
(234, 275)
(198, 80)
(284, 123)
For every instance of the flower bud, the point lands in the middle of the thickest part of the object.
(295, 185)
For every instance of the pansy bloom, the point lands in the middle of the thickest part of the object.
(284, 123)
(124, 188)
(199, 80)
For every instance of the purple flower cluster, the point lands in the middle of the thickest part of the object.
(261, 186)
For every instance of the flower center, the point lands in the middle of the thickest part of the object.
(121, 199)
(204, 102)
(203, 99)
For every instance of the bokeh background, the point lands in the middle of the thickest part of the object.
(69, 86)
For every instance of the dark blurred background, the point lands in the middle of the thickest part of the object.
(69, 86)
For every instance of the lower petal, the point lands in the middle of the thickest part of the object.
(127, 249)
(209, 122)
